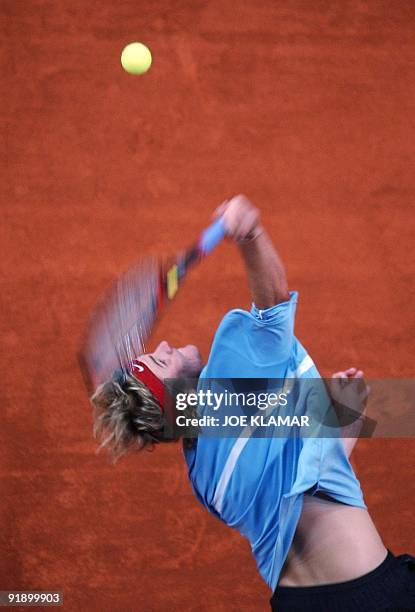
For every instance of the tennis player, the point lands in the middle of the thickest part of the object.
(297, 500)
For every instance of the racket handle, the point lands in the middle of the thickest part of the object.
(211, 237)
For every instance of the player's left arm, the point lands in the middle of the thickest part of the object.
(345, 392)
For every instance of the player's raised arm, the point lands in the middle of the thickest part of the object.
(266, 275)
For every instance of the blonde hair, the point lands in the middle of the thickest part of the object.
(127, 415)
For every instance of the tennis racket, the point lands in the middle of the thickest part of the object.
(122, 321)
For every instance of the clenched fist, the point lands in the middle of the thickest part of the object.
(241, 218)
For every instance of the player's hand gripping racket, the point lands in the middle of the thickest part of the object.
(122, 322)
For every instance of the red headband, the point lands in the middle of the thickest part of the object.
(141, 371)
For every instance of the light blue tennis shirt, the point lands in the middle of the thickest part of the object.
(256, 485)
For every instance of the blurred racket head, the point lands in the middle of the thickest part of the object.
(123, 319)
(121, 322)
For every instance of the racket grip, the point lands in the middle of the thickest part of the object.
(211, 237)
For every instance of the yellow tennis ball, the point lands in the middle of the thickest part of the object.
(136, 58)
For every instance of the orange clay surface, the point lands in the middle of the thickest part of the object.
(307, 107)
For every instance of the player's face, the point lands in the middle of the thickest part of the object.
(169, 362)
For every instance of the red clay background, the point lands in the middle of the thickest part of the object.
(307, 107)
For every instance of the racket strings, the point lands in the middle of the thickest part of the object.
(121, 324)
(136, 309)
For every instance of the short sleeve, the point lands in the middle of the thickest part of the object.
(280, 314)
(275, 327)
